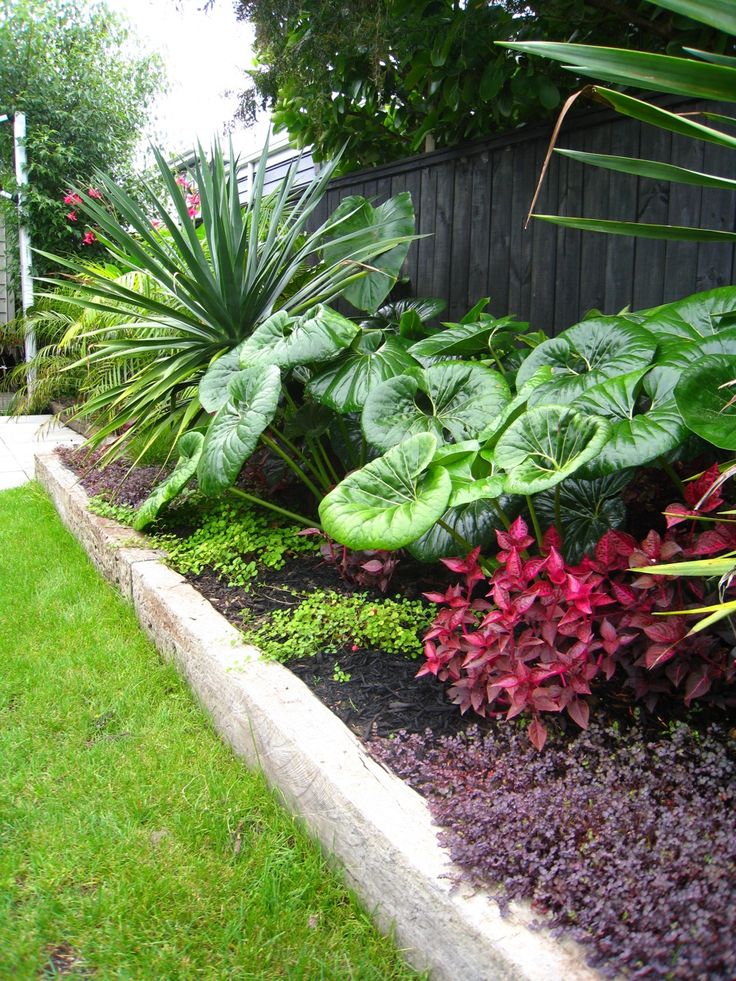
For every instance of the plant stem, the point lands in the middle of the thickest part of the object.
(558, 510)
(296, 518)
(291, 464)
(535, 520)
(347, 441)
(301, 457)
(456, 536)
(328, 462)
(672, 474)
(503, 517)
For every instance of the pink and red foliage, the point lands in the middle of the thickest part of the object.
(543, 630)
(369, 569)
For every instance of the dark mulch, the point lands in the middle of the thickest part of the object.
(383, 694)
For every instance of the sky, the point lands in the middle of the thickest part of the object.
(205, 53)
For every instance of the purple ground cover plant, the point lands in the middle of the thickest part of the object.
(116, 482)
(627, 843)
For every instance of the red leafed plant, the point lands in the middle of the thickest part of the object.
(369, 569)
(533, 641)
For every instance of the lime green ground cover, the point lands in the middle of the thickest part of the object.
(132, 843)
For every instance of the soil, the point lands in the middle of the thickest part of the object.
(381, 694)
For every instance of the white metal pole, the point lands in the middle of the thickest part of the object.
(24, 239)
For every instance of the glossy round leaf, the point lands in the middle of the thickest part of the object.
(452, 400)
(696, 316)
(344, 385)
(391, 501)
(213, 390)
(190, 449)
(476, 523)
(233, 433)
(585, 355)
(703, 396)
(588, 509)
(320, 335)
(463, 338)
(546, 445)
(636, 438)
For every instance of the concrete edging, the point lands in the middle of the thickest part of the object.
(375, 825)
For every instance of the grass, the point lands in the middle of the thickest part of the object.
(132, 843)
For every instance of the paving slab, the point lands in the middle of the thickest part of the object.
(21, 437)
(376, 827)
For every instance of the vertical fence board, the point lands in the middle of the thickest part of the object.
(472, 202)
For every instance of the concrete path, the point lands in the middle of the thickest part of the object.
(21, 437)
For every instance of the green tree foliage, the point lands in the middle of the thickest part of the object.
(397, 76)
(73, 69)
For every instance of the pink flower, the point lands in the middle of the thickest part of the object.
(94, 193)
(89, 238)
(155, 223)
(71, 216)
(72, 198)
(181, 180)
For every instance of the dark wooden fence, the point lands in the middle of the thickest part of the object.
(472, 201)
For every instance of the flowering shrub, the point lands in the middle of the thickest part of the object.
(191, 194)
(74, 199)
(552, 628)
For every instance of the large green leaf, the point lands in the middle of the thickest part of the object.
(475, 523)
(703, 396)
(344, 385)
(546, 445)
(588, 509)
(463, 338)
(585, 355)
(190, 450)
(696, 316)
(362, 226)
(676, 354)
(472, 477)
(233, 433)
(213, 390)
(320, 335)
(452, 400)
(636, 437)
(390, 502)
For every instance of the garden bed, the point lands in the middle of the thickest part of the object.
(374, 824)
(376, 695)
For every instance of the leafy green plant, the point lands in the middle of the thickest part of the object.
(233, 540)
(324, 620)
(86, 86)
(216, 281)
(699, 75)
(460, 448)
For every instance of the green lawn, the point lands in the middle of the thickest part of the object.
(132, 843)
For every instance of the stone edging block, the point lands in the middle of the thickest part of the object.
(375, 825)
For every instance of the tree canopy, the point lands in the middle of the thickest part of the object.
(396, 76)
(73, 69)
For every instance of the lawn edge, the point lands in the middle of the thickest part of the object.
(379, 830)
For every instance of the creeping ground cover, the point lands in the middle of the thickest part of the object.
(132, 844)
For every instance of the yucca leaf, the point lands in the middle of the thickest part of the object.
(720, 14)
(678, 233)
(657, 72)
(652, 169)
